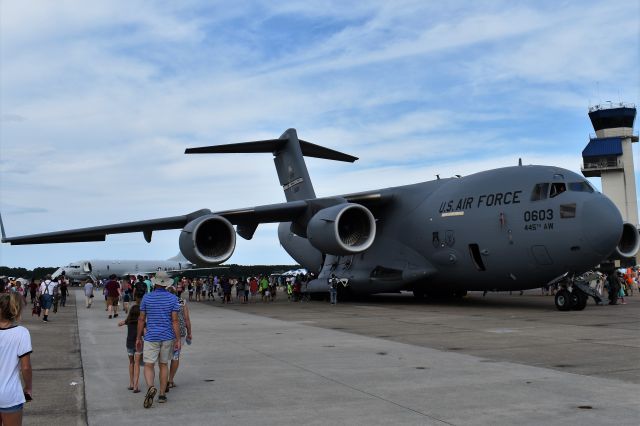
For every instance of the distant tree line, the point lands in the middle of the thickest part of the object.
(230, 270)
(37, 273)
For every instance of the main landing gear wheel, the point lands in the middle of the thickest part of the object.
(578, 300)
(563, 300)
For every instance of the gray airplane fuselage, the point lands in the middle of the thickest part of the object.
(500, 229)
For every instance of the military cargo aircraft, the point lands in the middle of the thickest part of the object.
(511, 228)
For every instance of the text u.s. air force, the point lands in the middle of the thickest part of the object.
(484, 200)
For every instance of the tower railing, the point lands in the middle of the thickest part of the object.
(611, 105)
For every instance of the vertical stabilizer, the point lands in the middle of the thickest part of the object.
(292, 170)
(289, 153)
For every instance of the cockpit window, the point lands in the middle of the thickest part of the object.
(557, 188)
(580, 187)
(540, 192)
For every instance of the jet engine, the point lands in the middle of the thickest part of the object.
(629, 241)
(208, 240)
(342, 229)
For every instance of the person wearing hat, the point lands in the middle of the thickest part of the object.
(159, 313)
(47, 289)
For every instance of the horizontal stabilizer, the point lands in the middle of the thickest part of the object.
(273, 145)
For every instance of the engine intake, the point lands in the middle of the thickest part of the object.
(208, 240)
(629, 241)
(342, 229)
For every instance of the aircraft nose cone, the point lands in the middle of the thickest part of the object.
(601, 225)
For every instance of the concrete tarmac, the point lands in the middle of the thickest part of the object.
(492, 360)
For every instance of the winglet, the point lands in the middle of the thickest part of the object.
(4, 236)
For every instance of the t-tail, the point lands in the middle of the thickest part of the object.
(289, 153)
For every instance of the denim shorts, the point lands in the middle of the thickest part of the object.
(13, 409)
(132, 352)
(47, 301)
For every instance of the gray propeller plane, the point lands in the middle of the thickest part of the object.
(511, 228)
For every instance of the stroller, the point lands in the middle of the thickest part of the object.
(37, 308)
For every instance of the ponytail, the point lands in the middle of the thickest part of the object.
(10, 306)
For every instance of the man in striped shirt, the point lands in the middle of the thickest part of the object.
(159, 309)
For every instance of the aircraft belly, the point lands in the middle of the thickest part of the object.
(299, 248)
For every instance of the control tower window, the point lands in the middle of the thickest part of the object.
(540, 192)
(580, 187)
(557, 188)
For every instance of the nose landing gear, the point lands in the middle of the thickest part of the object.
(574, 294)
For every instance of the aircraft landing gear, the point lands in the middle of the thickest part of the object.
(563, 300)
(578, 300)
(573, 299)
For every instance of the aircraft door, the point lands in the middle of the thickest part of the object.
(86, 267)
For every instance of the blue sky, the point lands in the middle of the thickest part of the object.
(98, 103)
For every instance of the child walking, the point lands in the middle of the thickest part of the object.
(134, 356)
(15, 350)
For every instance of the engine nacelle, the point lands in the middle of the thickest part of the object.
(342, 229)
(629, 241)
(208, 240)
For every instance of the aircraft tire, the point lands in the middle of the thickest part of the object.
(563, 300)
(578, 300)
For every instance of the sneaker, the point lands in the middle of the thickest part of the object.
(162, 398)
(110, 317)
(45, 320)
(115, 315)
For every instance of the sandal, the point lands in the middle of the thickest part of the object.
(162, 398)
(136, 391)
(130, 388)
(148, 399)
(171, 385)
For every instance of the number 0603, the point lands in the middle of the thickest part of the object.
(537, 215)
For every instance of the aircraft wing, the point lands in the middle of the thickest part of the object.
(247, 219)
(260, 214)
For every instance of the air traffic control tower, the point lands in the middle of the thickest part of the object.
(609, 155)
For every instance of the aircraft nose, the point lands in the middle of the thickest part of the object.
(601, 225)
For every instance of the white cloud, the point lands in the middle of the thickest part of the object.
(97, 104)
